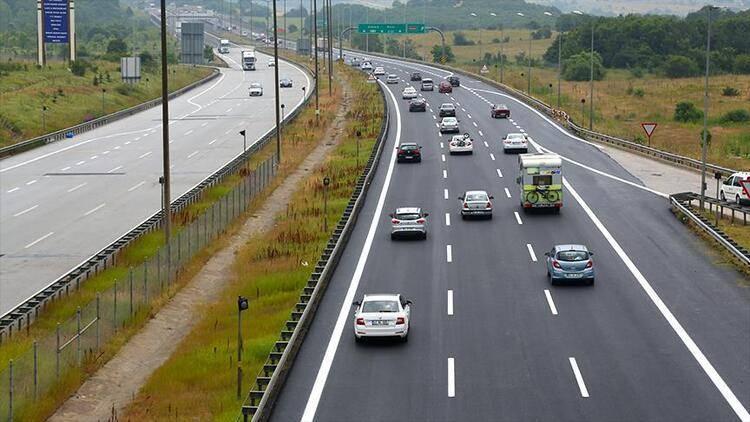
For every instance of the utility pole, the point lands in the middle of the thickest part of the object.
(315, 49)
(704, 135)
(591, 80)
(166, 211)
(330, 47)
(276, 82)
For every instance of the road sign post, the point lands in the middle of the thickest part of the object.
(649, 128)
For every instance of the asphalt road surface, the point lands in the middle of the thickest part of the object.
(61, 203)
(664, 335)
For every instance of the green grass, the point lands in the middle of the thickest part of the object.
(71, 99)
(200, 378)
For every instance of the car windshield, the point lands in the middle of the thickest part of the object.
(408, 217)
(380, 306)
(573, 256)
(476, 197)
(409, 147)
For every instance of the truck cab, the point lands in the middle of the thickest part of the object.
(540, 181)
(224, 46)
(248, 60)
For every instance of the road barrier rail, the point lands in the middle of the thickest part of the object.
(683, 202)
(562, 117)
(100, 121)
(268, 384)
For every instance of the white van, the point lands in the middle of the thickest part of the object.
(736, 188)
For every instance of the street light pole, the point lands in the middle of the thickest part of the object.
(314, 46)
(276, 81)
(166, 211)
(528, 76)
(704, 135)
(591, 80)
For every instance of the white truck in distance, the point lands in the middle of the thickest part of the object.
(224, 46)
(248, 60)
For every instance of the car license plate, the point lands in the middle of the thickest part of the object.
(574, 275)
(378, 322)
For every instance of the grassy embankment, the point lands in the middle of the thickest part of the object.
(200, 378)
(622, 101)
(298, 141)
(71, 99)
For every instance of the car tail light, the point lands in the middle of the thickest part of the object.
(468, 143)
(507, 141)
(416, 152)
(395, 221)
(453, 144)
(400, 321)
(360, 321)
(466, 206)
(556, 264)
(420, 221)
(590, 264)
(489, 205)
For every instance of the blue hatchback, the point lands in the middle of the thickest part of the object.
(570, 263)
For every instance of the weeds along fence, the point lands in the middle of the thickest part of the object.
(79, 341)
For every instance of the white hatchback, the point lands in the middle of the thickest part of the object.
(366, 66)
(516, 142)
(379, 71)
(409, 93)
(736, 188)
(382, 315)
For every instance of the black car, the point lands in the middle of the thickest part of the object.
(409, 151)
(454, 81)
(416, 76)
(418, 104)
(447, 110)
(285, 83)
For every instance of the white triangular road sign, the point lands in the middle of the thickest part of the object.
(484, 69)
(649, 128)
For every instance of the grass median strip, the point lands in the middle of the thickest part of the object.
(200, 378)
(299, 141)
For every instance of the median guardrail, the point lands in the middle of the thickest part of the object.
(98, 122)
(683, 202)
(269, 382)
(568, 123)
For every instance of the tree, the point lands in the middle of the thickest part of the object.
(742, 63)
(147, 59)
(293, 28)
(359, 41)
(459, 38)
(117, 46)
(680, 67)
(208, 53)
(686, 112)
(578, 67)
(437, 53)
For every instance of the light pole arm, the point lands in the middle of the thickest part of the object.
(442, 37)
(341, 40)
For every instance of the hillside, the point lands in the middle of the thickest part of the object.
(624, 7)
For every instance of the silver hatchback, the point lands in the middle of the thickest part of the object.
(409, 221)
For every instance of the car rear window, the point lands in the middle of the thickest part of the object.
(408, 217)
(476, 197)
(380, 306)
(573, 256)
(447, 106)
(409, 147)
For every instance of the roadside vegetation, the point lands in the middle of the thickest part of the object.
(200, 378)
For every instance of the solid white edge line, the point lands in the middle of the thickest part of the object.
(518, 217)
(693, 348)
(531, 251)
(451, 377)
(550, 302)
(449, 253)
(38, 240)
(579, 377)
(325, 366)
(447, 219)
(450, 302)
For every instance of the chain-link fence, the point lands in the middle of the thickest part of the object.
(80, 339)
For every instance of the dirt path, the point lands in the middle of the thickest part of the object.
(111, 388)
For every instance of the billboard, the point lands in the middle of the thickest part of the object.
(56, 20)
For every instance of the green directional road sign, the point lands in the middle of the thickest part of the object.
(391, 28)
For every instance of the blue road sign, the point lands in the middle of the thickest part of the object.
(56, 28)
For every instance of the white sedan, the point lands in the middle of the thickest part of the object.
(516, 142)
(409, 93)
(461, 144)
(366, 66)
(382, 315)
(379, 71)
(271, 63)
(256, 89)
(391, 79)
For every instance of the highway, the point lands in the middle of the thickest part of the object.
(664, 335)
(64, 202)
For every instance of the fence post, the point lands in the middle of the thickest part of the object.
(145, 283)
(36, 369)
(212, 220)
(179, 247)
(189, 243)
(158, 269)
(130, 283)
(114, 312)
(57, 353)
(78, 335)
(97, 321)
(10, 391)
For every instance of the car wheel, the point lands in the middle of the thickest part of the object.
(424, 236)
(525, 151)
(723, 198)
(737, 199)
(405, 338)
(591, 282)
(463, 217)
(393, 236)
(557, 210)
(489, 217)
(549, 276)
(357, 339)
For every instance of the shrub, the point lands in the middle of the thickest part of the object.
(459, 38)
(577, 67)
(686, 112)
(729, 91)
(736, 116)
(680, 67)
(78, 67)
(742, 63)
(125, 89)
(637, 72)
(639, 92)
(496, 41)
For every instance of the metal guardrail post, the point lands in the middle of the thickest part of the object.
(145, 282)
(130, 286)
(36, 369)
(97, 320)
(10, 391)
(114, 308)
(57, 352)
(78, 335)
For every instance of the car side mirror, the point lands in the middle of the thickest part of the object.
(409, 302)
(461, 198)
(518, 180)
(591, 253)
(390, 215)
(492, 197)
(505, 137)
(356, 303)
(427, 214)
(546, 254)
